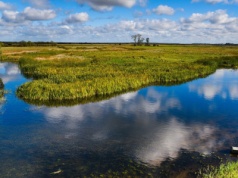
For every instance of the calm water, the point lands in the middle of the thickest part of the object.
(157, 131)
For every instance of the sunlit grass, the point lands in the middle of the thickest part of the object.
(79, 72)
(229, 170)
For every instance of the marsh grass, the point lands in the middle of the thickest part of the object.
(228, 170)
(86, 71)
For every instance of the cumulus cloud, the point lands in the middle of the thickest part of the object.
(210, 27)
(143, 25)
(39, 3)
(12, 16)
(217, 1)
(164, 10)
(5, 6)
(217, 17)
(33, 14)
(29, 14)
(77, 18)
(105, 5)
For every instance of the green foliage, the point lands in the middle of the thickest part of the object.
(229, 170)
(82, 72)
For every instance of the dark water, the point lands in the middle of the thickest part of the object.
(154, 132)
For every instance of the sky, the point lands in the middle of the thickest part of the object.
(162, 21)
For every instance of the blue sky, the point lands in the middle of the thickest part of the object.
(181, 21)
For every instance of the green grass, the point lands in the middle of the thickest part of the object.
(81, 72)
(228, 170)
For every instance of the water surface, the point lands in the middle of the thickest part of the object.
(157, 131)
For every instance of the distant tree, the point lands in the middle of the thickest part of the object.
(134, 37)
(138, 39)
(147, 41)
(22, 43)
(29, 43)
(53, 43)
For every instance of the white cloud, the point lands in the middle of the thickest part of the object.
(79, 17)
(39, 3)
(105, 5)
(33, 14)
(5, 6)
(164, 10)
(29, 14)
(210, 27)
(217, 17)
(12, 16)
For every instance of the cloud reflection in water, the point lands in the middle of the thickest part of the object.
(218, 84)
(9, 72)
(174, 136)
(141, 123)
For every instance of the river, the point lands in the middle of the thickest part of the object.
(157, 131)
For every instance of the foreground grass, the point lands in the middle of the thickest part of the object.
(229, 170)
(79, 72)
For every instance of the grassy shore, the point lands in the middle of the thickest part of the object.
(79, 72)
(228, 170)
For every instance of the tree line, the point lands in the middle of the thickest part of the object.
(27, 43)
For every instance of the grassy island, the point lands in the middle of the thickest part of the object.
(79, 72)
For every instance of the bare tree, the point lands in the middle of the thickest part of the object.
(134, 37)
(138, 39)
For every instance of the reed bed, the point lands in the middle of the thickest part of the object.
(228, 170)
(102, 70)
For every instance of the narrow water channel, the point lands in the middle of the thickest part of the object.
(157, 131)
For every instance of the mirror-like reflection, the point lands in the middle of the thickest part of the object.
(218, 84)
(9, 72)
(156, 131)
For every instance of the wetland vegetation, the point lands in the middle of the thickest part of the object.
(229, 169)
(79, 72)
(157, 131)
